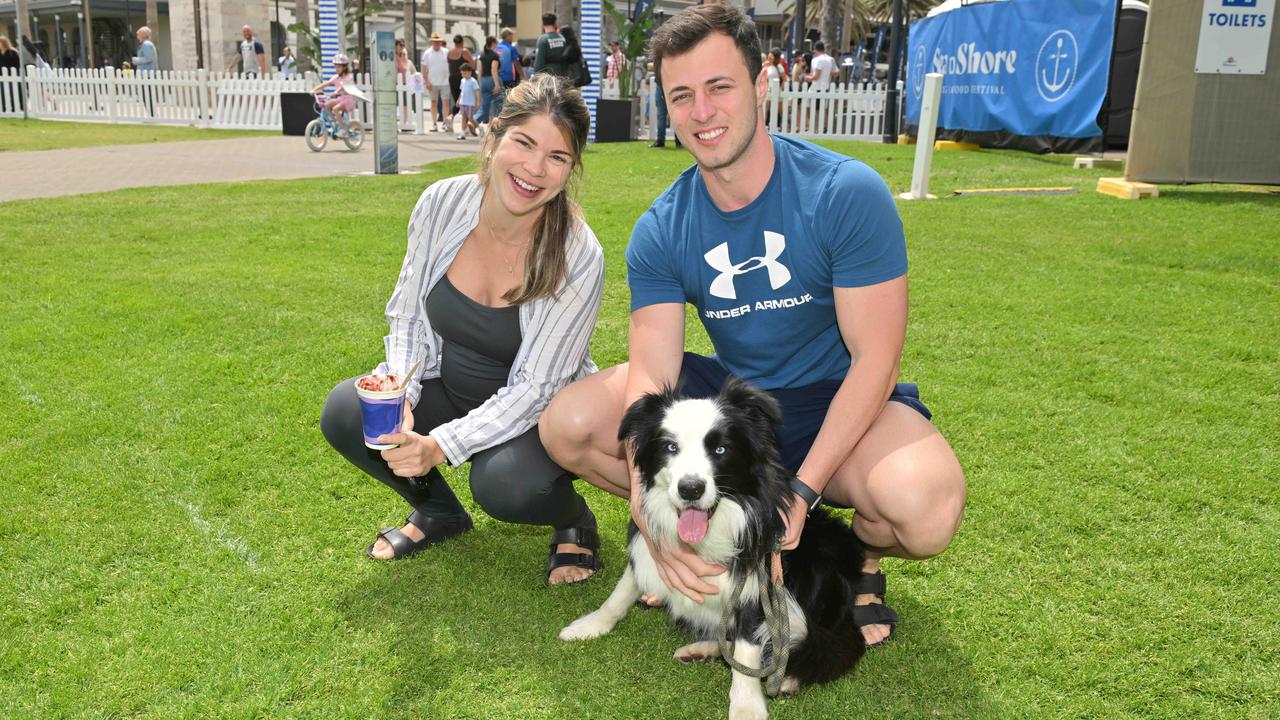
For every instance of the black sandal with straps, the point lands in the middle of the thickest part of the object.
(874, 613)
(586, 537)
(434, 530)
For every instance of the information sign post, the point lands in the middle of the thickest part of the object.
(385, 135)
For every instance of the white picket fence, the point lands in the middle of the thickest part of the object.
(172, 97)
(853, 111)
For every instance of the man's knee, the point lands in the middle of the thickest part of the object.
(567, 425)
(922, 502)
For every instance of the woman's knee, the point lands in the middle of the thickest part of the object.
(515, 482)
(340, 420)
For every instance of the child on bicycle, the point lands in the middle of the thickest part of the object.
(340, 103)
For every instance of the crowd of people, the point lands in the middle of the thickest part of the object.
(491, 319)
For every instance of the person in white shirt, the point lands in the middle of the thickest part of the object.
(823, 70)
(288, 63)
(494, 308)
(435, 75)
(251, 54)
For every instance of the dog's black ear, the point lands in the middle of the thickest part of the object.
(757, 403)
(644, 415)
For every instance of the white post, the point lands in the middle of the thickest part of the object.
(112, 105)
(651, 101)
(924, 138)
(202, 99)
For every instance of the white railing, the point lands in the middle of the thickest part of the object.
(853, 111)
(10, 93)
(174, 97)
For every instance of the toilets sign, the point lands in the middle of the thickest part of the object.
(1234, 35)
(1031, 67)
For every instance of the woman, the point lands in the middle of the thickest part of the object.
(9, 60)
(404, 70)
(488, 72)
(573, 56)
(496, 299)
(458, 55)
(776, 76)
(288, 63)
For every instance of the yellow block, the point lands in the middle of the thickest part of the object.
(953, 145)
(1127, 189)
(1097, 163)
(906, 140)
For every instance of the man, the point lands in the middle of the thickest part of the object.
(252, 55)
(552, 49)
(435, 76)
(510, 71)
(822, 71)
(614, 66)
(795, 261)
(145, 65)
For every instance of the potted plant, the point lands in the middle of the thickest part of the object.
(619, 119)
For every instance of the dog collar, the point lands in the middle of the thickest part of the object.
(810, 496)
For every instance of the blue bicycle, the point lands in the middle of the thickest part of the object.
(324, 127)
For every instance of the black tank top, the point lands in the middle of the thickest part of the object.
(455, 66)
(480, 343)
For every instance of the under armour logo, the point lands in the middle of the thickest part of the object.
(718, 259)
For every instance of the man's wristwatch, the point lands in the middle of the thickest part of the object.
(810, 496)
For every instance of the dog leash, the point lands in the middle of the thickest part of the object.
(774, 601)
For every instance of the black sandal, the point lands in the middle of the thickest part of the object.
(434, 530)
(874, 613)
(586, 537)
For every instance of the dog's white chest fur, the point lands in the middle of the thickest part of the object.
(704, 618)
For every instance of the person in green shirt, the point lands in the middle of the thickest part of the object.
(552, 51)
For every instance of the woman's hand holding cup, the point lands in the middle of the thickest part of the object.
(416, 454)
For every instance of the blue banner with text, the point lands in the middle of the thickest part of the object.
(1031, 67)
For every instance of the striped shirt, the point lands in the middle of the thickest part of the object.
(556, 331)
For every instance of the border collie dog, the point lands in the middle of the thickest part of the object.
(712, 480)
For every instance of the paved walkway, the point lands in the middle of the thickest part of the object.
(50, 173)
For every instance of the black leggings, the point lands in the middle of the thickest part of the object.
(514, 482)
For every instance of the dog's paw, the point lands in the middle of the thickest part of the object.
(747, 707)
(790, 685)
(587, 627)
(697, 652)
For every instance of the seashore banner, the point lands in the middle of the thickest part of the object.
(1027, 67)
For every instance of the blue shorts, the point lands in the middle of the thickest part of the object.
(803, 408)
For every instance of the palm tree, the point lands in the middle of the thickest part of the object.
(860, 16)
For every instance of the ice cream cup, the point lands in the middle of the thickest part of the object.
(382, 411)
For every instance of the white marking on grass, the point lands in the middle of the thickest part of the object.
(33, 398)
(217, 532)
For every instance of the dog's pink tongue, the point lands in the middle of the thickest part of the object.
(692, 525)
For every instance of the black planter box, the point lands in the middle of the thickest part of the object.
(296, 110)
(614, 120)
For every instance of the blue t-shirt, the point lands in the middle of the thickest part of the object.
(762, 277)
(507, 54)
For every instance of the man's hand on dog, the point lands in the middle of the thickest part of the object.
(794, 518)
(679, 567)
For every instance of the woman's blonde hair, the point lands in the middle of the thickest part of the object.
(556, 98)
(5, 45)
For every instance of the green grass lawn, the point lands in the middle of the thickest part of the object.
(177, 540)
(22, 135)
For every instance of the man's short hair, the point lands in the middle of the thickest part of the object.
(507, 33)
(548, 18)
(820, 46)
(679, 34)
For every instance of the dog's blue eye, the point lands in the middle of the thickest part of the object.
(672, 447)
(720, 450)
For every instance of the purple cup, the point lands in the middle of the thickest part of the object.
(382, 412)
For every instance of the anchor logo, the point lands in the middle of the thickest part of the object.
(1056, 65)
(718, 259)
(917, 72)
